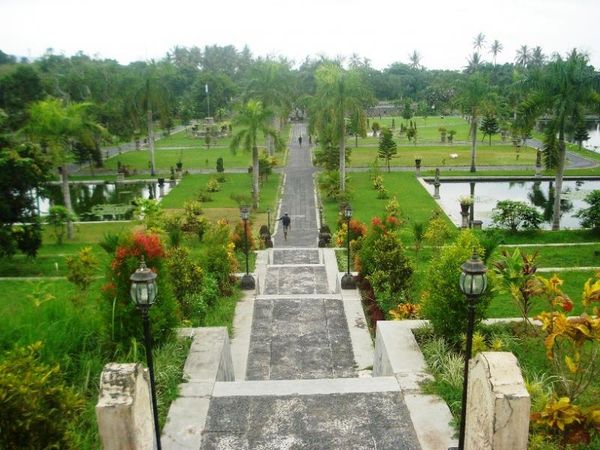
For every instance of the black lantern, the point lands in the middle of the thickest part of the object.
(473, 282)
(348, 279)
(143, 293)
(247, 282)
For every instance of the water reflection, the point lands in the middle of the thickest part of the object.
(85, 196)
(537, 193)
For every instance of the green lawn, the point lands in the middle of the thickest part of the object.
(439, 155)
(415, 202)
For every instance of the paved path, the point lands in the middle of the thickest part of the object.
(301, 388)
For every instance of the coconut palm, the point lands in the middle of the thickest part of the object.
(474, 62)
(270, 83)
(253, 119)
(415, 60)
(561, 91)
(495, 49)
(338, 93)
(478, 42)
(523, 57)
(537, 57)
(475, 99)
(59, 127)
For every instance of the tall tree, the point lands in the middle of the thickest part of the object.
(523, 57)
(562, 91)
(495, 49)
(270, 82)
(537, 57)
(387, 146)
(415, 60)
(338, 93)
(59, 127)
(478, 42)
(473, 97)
(253, 119)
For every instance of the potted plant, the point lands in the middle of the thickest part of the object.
(465, 202)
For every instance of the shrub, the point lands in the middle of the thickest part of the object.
(513, 214)
(437, 231)
(124, 320)
(29, 237)
(213, 185)
(37, 406)
(590, 217)
(58, 217)
(357, 230)
(149, 212)
(381, 260)
(186, 276)
(81, 268)
(109, 242)
(444, 304)
(238, 239)
(220, 167)
(218, 258)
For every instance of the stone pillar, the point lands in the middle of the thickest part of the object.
(464, 213)
(436, 189)
(498, 404)
(124, 410)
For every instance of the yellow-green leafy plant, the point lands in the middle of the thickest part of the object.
(81, 268)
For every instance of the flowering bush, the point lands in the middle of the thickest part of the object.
(123, 318)
(218, 256)
(357, 231)
(406, 311)
(380, 259)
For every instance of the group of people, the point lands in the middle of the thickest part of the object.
(300, 140)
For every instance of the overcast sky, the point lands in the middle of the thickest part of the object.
(384, 31)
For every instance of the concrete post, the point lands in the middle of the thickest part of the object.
(498, 405)
(124, 411)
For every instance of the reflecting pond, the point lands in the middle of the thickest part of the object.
(102, 200)
(537, 193)
(593, 143)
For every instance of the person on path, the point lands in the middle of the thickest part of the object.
(285, 220)
(300, 140)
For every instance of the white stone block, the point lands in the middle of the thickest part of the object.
(498, 404)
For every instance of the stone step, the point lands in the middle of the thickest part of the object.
(296, 256)
(316, 414)
(299, 338)
(322, 386)
(300, 279)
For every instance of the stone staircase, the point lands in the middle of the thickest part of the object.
(301, 388)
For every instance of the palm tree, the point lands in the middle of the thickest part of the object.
(253, 119)
(415, 60)
(474, 63)
(537, 57)
(270, 83)
(60, 127)
(339, 93)
(474, 98)
(523, 57)
(495, 49)
(478, 42)
(562, 91)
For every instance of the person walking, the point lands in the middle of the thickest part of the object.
(300, 140)
(285, 221)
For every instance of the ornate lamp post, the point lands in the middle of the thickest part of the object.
(473, 282)
(247, 282)
(143, 293)
(348, 279)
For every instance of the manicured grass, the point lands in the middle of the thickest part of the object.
(439, 156)
(548, 237)
(235, 184)
(567, 256)
(221, 314)
(415, 202)
(90, 232)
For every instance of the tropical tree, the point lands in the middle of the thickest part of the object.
(253, 119)
(495, 49)
(561, 91)
(474, 62)
(537, 57)
(387, 146)
(523, 57)
(489, 126)
(478, 42)
(59, 127)
(338, 93)
(270, 83)
(415, 60)
(474, 98)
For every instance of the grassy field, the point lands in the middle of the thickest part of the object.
(439, 156)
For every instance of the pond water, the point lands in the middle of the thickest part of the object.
(593, 143)
(535, 193)
(103, 200)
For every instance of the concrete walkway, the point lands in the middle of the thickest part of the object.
(301, 353)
